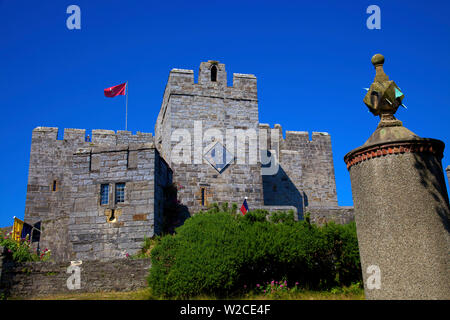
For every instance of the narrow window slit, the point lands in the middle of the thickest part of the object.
(203, 196)
(214, 73)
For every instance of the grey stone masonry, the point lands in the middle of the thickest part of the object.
(198, 115)
(64, 191)
(340, 215)
(306, 174)
(38, 279)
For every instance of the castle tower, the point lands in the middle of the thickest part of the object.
(208, 133)
(401, 204)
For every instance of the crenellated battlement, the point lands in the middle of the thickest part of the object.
(295, 139)
(298, 140)
(50, 133)
(213, 75)
(303, 137)
(245, 82)
(75, 135)
(98, 137)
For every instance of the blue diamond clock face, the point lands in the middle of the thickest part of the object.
(398, 93)
(218, 156)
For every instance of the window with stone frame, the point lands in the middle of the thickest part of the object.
(104, 194)
(120, 193)
(214, 73)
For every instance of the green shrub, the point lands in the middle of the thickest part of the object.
(221, 253)
(200, 258)
(21, 251)
(283, 217)
(147, 246)
(344, 243)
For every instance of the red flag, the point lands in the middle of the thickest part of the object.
(116, 90)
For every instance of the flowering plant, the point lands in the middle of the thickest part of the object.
(22, 250)
(45, 255)
(276, 288)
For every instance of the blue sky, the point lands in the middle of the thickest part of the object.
(311, 58)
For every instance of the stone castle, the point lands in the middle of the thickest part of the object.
(99, 196)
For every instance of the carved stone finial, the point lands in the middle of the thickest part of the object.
(383, 97)
(378, 59)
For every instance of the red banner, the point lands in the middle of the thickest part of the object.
(116, 90)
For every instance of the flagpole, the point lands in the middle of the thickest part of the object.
(126, 109)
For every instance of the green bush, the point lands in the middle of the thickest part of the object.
(21, 251)
(221, 253)
(147, 246)
(345, 252)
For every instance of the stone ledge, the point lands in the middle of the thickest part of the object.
(46, 129)
(337, 214)
(244, 75)
(182, 71)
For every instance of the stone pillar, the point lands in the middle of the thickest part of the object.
(401, 204)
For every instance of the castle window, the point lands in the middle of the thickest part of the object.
(104, 194)
(203, 196)
(54, 186)
(120, 192)
(214, 73)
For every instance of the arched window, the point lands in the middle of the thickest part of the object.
(214, 73)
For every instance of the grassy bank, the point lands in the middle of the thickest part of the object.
(146, 294)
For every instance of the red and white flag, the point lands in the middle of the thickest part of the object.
(118, 90)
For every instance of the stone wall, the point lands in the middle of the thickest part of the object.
(312, 160)
(31, 279)
(49, 181)
(322, 215)
(65, 177)
(50, 168)
(163, 178)
(113, 229)
(306, 174)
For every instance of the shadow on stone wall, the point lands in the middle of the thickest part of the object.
(434, 183)
(175, 213)
(279, 190)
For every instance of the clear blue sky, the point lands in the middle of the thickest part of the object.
(311, 58)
